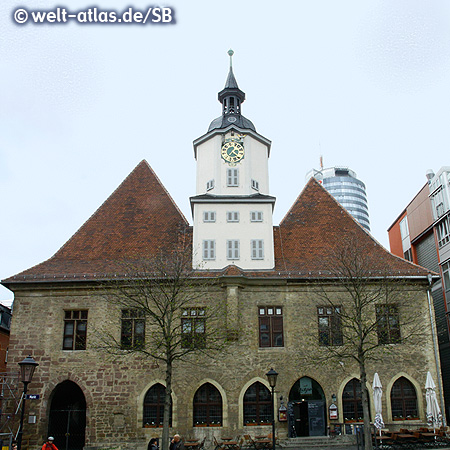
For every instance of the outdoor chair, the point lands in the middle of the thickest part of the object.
(201, 446)
(217, 445)
(247, 444)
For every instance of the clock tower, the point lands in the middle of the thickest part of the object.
(232, 208)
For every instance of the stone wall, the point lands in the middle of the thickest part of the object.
(114, 390)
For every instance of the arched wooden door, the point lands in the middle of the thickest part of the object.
(67, 419)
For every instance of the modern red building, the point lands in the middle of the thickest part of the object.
(421, 234)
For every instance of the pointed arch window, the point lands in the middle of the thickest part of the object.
(403, 399)
(154, 407)
(257, 405)
(352, 401)
(207, 406)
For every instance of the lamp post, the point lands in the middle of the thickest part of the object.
(272, 377)
(27, 367)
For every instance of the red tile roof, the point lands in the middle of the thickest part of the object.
(137, 220)
(316, 229)
(140, 218)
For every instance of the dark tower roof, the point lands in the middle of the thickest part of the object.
(231, 98)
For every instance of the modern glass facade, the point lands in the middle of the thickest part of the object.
(350, 192)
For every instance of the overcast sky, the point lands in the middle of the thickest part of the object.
(366, 84)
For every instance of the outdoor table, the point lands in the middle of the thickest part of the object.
(229, 444)
(406, 437)
(263, 443)
(192, 445)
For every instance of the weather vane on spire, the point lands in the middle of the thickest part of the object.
(231, 53)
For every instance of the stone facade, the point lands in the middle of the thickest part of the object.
(114, 390)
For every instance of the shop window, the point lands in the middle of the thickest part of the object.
(133, 329)
(403, 400)
(75, 328)
(154, 407)
(388, 326)
(270, 326)
(330, 325)
(257, 405)
(207, 406)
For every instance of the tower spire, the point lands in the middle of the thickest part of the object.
(231, 53)
(231, 96)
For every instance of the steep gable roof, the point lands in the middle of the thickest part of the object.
(140, 219)
(314, 230)
(137, 220)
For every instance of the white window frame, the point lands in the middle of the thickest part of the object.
(443, 231)
(255, 185)
(233, 177)
(257, 249)
(209, 216)
(232, 216)
(209, 250)
(233, 249)
(210, 185)
(256, 216)
(446, 275)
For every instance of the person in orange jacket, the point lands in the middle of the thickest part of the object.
(49, 445)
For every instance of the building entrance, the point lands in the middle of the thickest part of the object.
(306, 409)
(67, 420)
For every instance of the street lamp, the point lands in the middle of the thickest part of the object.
(27, 367)
(272, 377)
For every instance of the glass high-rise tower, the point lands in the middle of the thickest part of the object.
(344, 186)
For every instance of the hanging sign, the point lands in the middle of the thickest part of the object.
(282, 414)
(333, 412)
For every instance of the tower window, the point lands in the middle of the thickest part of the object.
(255, 185)
(256, 216)
(209, 216)
(257, 248)
(232, 216)
(210, 185)
(209, 249)
(233, 249)
(233, 177)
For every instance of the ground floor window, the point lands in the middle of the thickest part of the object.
(207, 406)
(403, 400)
(257, 405)
(351, 401)
(154, 406)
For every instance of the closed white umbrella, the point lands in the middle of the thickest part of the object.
(377, 393)
(434, 416)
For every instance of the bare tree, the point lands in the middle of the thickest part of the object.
(167, 314)
(366, 307)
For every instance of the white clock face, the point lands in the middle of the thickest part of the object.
(232, 152)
